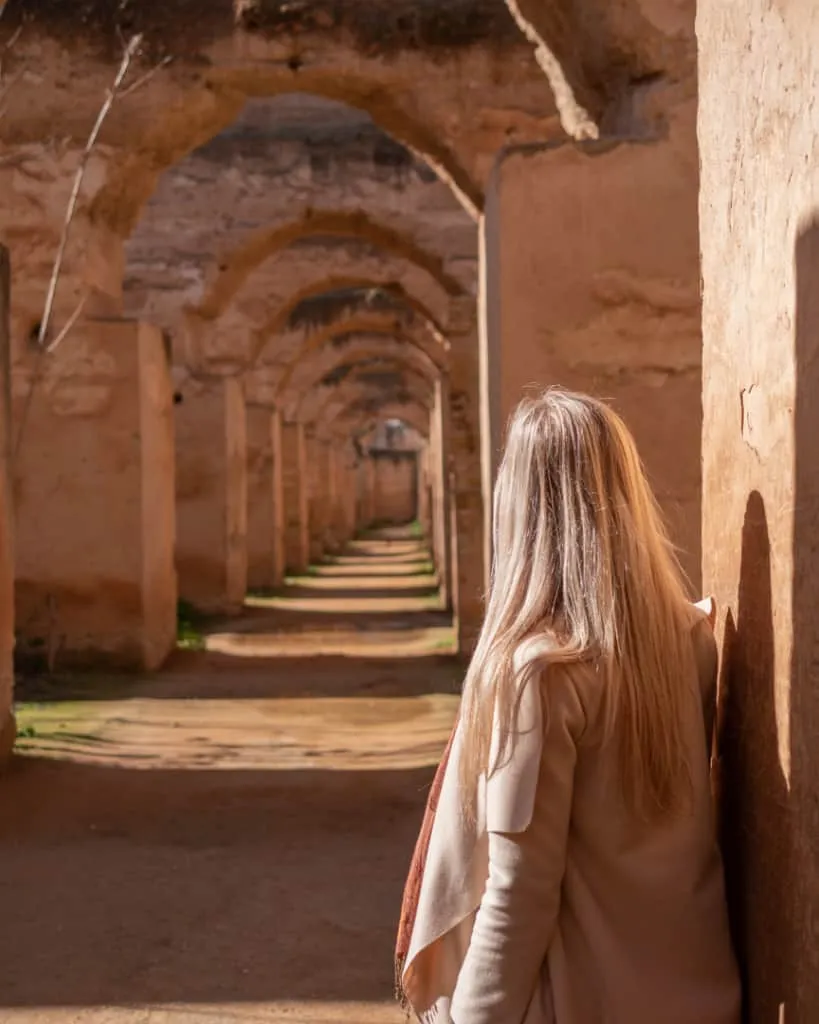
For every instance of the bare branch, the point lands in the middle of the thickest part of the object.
(68, 324)
(146, 77)
(127, 57)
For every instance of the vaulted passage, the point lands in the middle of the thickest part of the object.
(272, 278)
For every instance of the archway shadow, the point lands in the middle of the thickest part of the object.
(803, 1007)
(754, 793)
(127, 888)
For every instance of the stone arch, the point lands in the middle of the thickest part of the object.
(354, 421)
(206, 111)
(370, 396)
(354, 224)
(276, 324)
(404, 329)
(305, 392)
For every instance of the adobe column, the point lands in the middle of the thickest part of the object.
(279, 517)
(7, 726)
(470, 512)
(317, 475)
(443, 496)
(296, 497)
(211, 495)
(335, 525)
(368, 494)
(759, 223)
(94, 491)
(261, 527)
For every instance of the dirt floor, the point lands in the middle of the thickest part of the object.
(226, 841)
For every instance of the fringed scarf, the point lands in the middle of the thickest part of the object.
(412, 887)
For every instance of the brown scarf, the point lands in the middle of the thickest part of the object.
(412, 887)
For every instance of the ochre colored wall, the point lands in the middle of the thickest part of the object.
(591, 280)
(759, 216)
(261, 527)
(211, 496)
(395, 487)
(93, 483)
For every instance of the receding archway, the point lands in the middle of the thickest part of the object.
(235, 267)
(323, 375)
(204, 112)
(374, 325)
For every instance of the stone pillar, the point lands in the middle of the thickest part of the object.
(211, 496)
(443, 551)
(279, 519)
(470, 514)
(759, 216)
(350, 496)
(368, 494)
(423, 490)
(317, 475)
(335, 526)
(296, 497)
(7, 727)
(94, 492)
(436, 501)
(261, 529)
(590, 280)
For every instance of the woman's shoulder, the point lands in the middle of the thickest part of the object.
(564, 686)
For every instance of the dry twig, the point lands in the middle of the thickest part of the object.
(68, 324)
(146, 77)
(127, 57)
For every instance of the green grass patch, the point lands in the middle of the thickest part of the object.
(189, 632)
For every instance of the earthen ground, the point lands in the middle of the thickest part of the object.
(226, 841)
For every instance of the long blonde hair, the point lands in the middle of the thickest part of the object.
(583, 570)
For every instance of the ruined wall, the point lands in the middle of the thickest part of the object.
(759, 216)
(591, 282)
(395, 484)
(93, 487)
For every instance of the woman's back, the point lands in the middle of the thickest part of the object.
(642, 933)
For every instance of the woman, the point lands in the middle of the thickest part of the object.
(568, 871)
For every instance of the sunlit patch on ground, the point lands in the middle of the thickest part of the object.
(274, 734)
(408, 643)
(347, 605)
(222, 1013)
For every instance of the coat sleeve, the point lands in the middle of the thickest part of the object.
(518, 913)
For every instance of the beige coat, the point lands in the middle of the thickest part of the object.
(559, 907)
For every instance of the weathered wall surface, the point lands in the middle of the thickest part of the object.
(591, 282)
(92, 475)
(7, 725)
(159, 582)
(759, 215)
(261, 524)
(211, 496)
(296, 497)
(395, 482)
